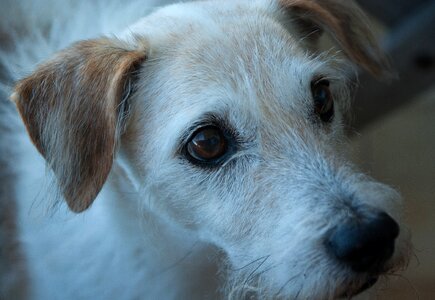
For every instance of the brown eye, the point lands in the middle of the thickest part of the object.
(323, 102)
(207, 145)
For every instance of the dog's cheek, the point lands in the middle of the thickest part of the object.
(215, 204)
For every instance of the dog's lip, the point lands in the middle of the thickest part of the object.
(368, 284)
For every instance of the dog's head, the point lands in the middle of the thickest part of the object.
(231, 120)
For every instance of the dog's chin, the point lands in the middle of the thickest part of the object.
(353, 290)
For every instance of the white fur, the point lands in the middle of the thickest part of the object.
(162, 229)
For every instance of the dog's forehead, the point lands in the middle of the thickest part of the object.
(228, 61)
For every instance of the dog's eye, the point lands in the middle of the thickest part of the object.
(323, 101)
(207, 145)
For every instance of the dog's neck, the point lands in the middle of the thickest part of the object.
(136, 253)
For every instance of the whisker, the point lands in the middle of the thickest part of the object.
(180, 260)
(416, 257)
(250, 263)
(299, 292)
(266, 270)
(284, 285)
(251, 275)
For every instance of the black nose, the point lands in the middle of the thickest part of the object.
(365, 245)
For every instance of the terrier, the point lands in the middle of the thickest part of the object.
(200, 151)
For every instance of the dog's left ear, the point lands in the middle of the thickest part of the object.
(347, 24)
(73, 107)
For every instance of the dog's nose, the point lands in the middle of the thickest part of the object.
(366, 245)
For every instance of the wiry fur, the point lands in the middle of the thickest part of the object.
(162, 228)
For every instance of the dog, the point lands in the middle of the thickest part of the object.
(197, 152)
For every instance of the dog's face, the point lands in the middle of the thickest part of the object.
(233, 127)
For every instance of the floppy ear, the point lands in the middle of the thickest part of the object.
(72, 108)
(347, 24)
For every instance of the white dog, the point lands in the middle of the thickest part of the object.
(202, 145)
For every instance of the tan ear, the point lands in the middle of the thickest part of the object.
(71, 107)
(347, 24)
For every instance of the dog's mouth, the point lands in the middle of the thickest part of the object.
(355, 291)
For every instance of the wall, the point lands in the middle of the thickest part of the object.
(400, 150)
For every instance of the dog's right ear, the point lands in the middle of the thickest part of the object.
(72, 107)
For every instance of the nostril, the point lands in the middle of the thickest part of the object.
(364, 246)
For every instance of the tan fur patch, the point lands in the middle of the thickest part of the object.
(347, 25)
(70, 108)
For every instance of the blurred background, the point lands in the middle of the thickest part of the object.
(395, 132)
